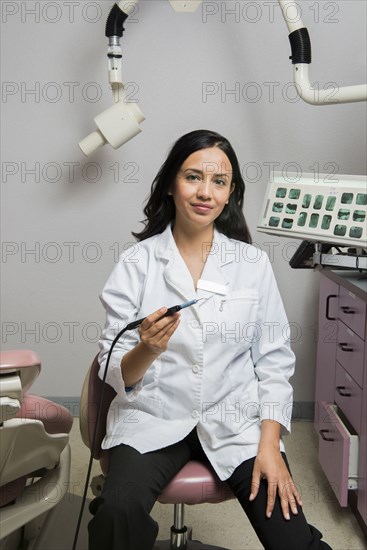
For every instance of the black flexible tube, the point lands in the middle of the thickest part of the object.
(115, 22)
(301, 46)
(92, 447)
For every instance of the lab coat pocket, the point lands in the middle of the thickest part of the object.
(237, 316)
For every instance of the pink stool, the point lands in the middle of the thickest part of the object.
(196, 483)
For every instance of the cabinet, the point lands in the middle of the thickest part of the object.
(341, 387)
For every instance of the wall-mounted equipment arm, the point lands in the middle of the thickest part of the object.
(120, 122)
(301, 58)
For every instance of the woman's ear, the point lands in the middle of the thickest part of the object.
(231, 190)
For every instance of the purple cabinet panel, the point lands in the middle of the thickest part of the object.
(352, 311)
(341, 387)
(350, 352)
(326, 346)
(348, 397)
(334, 448)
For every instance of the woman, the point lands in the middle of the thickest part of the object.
(211, 382)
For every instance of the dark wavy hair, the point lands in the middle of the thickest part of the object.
(160, 209)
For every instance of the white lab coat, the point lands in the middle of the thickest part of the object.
(227, 365)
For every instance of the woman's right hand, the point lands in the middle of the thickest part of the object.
(156, 330)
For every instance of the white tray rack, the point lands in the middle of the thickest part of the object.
(316, 209)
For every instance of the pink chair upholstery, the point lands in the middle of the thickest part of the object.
(34, 450)
(196, 483)
(55, 418)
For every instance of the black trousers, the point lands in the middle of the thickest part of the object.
(122, 513)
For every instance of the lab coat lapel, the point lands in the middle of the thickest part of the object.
(213, 272)
(217, 258)
(176, 273)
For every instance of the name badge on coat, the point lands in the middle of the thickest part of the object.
(210, 286)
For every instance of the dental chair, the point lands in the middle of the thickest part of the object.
(196, 483)
(34, 454)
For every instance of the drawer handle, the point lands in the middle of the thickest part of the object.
(340, 389)
(323, 432)
(344, 346)
(327, 315)
(347, 310)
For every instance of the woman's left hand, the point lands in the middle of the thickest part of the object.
(269, 465)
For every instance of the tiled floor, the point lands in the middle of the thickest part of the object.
(225, 524)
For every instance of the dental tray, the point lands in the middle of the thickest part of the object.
(317, 207)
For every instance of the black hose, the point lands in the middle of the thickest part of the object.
(301, 46)
(115, 22)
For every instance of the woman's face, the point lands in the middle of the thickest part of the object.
(202, 187)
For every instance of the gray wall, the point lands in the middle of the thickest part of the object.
(65, 218)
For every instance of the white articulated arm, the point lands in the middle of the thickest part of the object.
(120, 122)
(114, 30)
(301, 58)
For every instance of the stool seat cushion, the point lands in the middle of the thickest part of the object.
(196, 483)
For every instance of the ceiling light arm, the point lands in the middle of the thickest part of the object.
(301, 58)
(120, 122)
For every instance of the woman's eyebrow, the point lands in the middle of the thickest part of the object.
(193, 170)
(217, 175)
(223, 175)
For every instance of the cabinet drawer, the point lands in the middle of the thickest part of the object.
(338, 453)
(348, 396)
(350, 352)
(352, 311)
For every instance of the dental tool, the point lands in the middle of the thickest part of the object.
(170, 311)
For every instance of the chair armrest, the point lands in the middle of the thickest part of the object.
(18, 359)
(24, 362)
